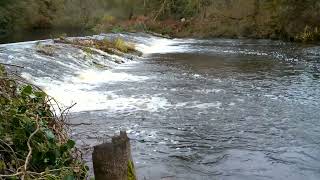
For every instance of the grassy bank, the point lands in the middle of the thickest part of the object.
(34, 142)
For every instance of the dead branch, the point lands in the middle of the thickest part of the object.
(11, 150)
(30, 148)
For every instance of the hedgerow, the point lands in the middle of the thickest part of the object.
(34, 142)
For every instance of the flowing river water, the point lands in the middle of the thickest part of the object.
(193, 109)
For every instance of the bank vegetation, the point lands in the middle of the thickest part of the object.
(34, 142)
(295, 20)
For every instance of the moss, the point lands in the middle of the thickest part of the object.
(46, 49)
(118, 46)
(88, 51)
(131, 171)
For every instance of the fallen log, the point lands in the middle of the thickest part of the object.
(113, 161)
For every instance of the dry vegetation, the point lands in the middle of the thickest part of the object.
(117, 46)
(46, 49)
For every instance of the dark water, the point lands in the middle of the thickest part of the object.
(213, 109)
(40, 34)
(232, 110)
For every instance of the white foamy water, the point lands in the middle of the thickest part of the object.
(162, 46)
(200, 105)
(84, 84)
(20, 45)
(85, 90)
(92, 76)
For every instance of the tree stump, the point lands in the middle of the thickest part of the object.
(113, 161)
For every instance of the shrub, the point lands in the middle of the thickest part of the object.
(117, 29)
(33, 140)
(46, 49)
(122, 46)
(309, 34)
(108, 19)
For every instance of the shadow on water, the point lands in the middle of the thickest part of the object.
(41, 34)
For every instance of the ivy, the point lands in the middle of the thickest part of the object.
(33, 141)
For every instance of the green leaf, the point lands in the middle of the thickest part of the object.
(22, 109)
(40, 94)
(27, 90)
(70, 144)
(49, 134)
(19, 135)
(69, 177)
(2, 165)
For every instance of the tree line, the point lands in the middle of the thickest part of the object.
(17, 15)
(287, 18)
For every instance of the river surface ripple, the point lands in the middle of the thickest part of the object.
(196, 109)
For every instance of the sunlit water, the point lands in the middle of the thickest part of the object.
(194, 109)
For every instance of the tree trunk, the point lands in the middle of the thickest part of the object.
(113, 161)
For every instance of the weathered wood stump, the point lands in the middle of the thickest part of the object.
(113, 161)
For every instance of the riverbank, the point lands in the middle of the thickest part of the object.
(34, 140)
(216, 27)
(286, 20)
(296, 21)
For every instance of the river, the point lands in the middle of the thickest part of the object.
(193, 109)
